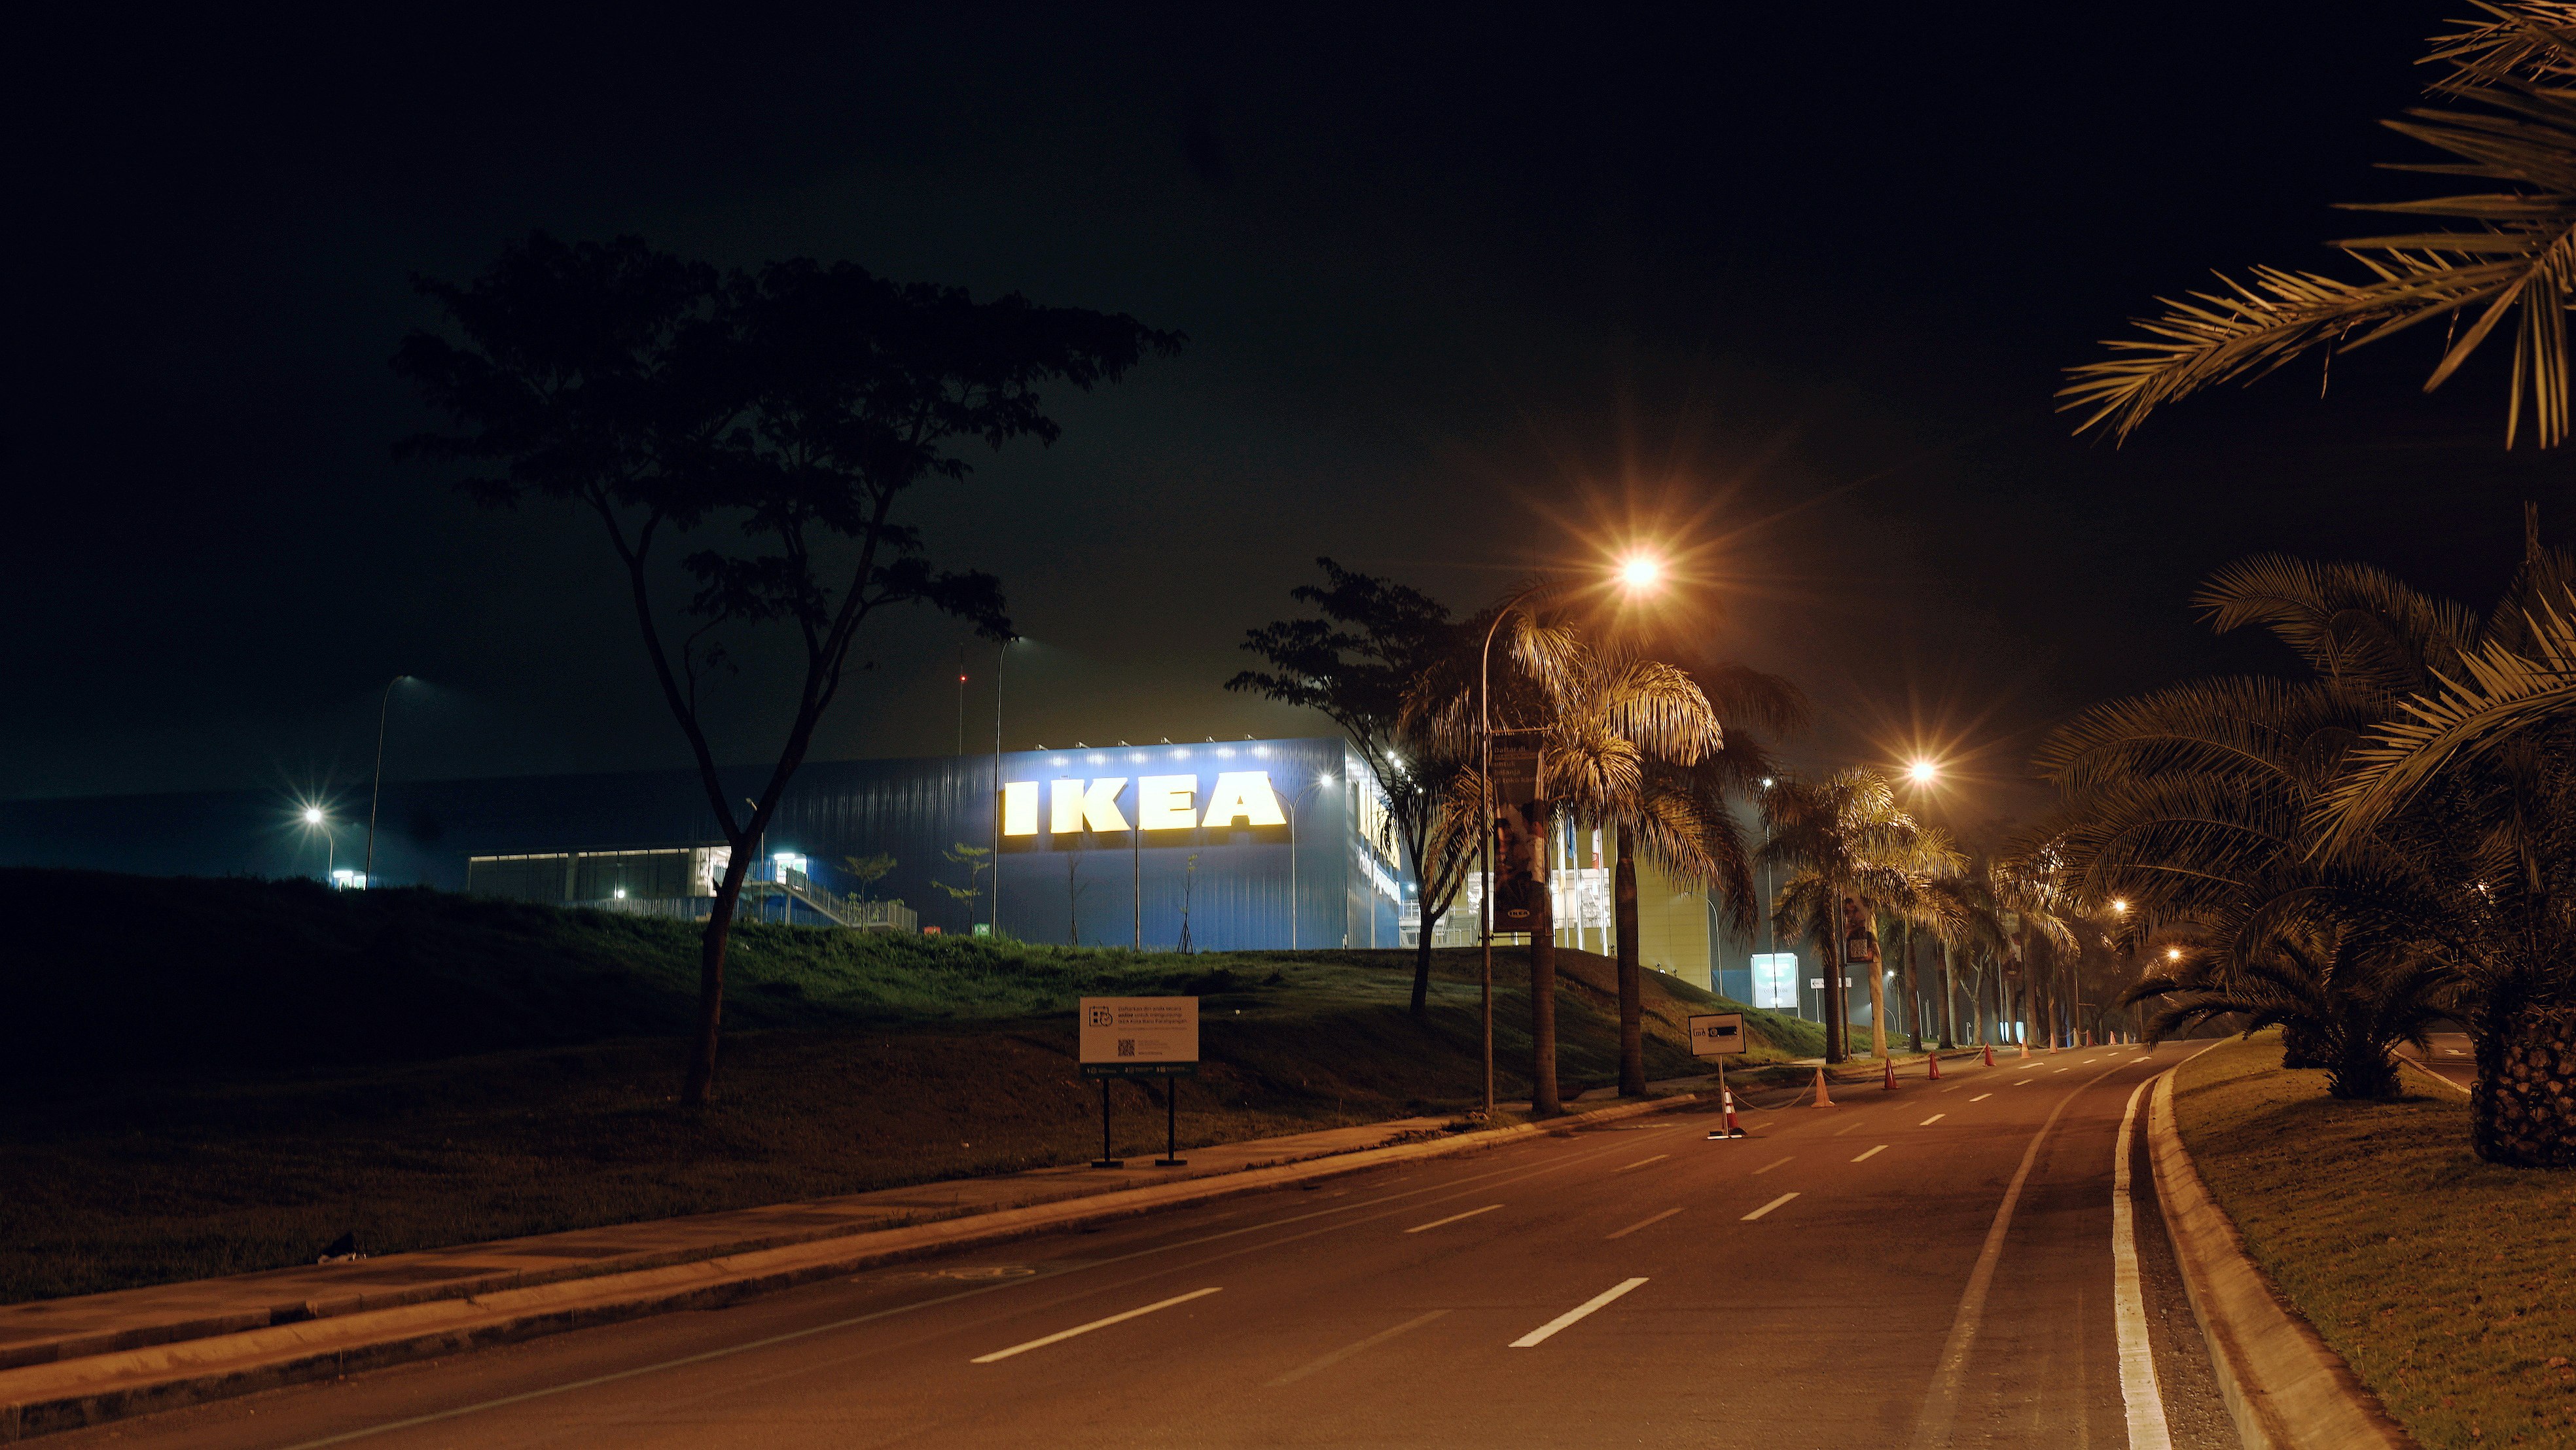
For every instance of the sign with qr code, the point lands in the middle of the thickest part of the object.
(1139, 1036)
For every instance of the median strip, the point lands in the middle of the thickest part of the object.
(1061, 1335)
(1576, 1314)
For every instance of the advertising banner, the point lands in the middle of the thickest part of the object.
(1775, 981)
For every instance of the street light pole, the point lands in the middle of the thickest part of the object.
(1001, 654)
(377, 793)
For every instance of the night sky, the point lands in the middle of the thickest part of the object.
(1791, 286)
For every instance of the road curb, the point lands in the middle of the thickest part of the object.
(2404, 1062)
(2285, 1389)
(72, 1394)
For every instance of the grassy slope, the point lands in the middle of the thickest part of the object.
(2447, 1283)
(225, 1075)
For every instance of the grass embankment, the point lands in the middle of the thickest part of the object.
(2448, 1284)
(216, 1076)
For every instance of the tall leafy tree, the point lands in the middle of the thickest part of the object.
(1355, 665)
(776, 418)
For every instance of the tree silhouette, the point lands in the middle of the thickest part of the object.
(796, 405)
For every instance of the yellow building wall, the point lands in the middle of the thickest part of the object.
(1672, 926)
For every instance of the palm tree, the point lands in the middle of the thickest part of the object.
(1608, 730)
(2036, 913)
(1959, 911)
(1840, 842)
(2350, 1000)
(2507, 118)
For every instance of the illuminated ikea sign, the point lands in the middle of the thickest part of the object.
(1161, 803)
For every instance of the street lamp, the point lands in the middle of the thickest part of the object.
(377, 793)
(314, 818)
(1638, 574)
(1294, 802)
(1922, 772)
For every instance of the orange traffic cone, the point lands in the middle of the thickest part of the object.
(1731, 1128)
(1824, 1099)
(1891, 1073)
(1935, 1060)
(2025, 1047)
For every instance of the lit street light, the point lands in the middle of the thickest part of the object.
(1639, 573)
(1922, 772)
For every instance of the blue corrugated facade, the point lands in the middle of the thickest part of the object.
(1246, 889)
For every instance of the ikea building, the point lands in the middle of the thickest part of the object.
(1251, 844)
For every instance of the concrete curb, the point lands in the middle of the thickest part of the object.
(71, 1394)
(2404, 1062)
(2285, 1389)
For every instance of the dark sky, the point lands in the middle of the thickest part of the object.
(1465, 292)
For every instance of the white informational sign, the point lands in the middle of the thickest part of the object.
(1775, 980)
(1140, 1036)
(1716, 1034)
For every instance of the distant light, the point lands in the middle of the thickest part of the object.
(1923, 771)
(2173, 954)
(1323, 780)
(621, 893)
(1767, 782)
(312, 815)
(2120, 905)
(1641, 571)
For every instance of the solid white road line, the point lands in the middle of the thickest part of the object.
(2147, 1430)
(1981, 1097)
(1347, 1350)
(1928, 1122)
(1453, 1218)
(1941, 1403)
(1872, 1153)
(1061, 1335)
(1642, 1162)
(1642, 1223)
(1766, 1208)
(1767, 1167)
(1598, 1301)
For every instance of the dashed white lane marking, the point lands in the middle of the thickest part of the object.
(1846, 1128)
(1872, 1153)
(2058, 1069)
(1766, 1208)
(1928, 1122)
(1641, 1223)
(1767, 1167)
(2147, 1429)
(1453, 1218)
(1575, 1314)
(2025, 1082)
(1061, 1335)
(1642, 1162)
(1981, 1097)
(1347, 1350)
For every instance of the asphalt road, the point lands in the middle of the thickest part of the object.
(2450, 1057)
(1844, 1276)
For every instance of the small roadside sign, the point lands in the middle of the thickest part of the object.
(1140, 1036)
(1717, 1034)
